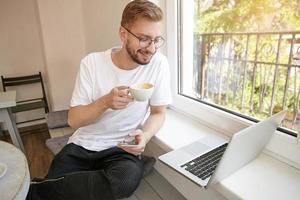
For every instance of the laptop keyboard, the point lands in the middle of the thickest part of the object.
(204, 165)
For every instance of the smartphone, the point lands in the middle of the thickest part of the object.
(127, 143)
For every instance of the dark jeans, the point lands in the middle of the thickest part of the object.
(77, 173)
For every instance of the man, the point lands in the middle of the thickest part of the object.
(93, 165)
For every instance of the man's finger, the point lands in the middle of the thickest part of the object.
(123, 100)
(122, 87)
(123, 92)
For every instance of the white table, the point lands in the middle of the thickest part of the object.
(8, 100)
(14, 184)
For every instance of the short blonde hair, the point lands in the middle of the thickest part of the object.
(140, 9)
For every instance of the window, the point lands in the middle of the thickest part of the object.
(235, 57)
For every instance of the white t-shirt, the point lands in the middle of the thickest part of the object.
(96, 77)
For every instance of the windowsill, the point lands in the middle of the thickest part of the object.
(264, 178)
(179, 130)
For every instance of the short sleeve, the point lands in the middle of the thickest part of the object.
(162, 91)
(82, 93)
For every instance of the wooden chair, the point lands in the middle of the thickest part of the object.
(27, 104)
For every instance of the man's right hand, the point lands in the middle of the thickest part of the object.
(118, 98)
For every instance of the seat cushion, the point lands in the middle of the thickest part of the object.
(57, 143)
(57, 119)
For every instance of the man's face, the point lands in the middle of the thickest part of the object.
(143, 29)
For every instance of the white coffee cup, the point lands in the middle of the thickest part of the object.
(141, 91)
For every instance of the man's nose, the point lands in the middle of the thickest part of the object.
(151, 48)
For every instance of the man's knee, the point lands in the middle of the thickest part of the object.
(128, 181)
(125, 188)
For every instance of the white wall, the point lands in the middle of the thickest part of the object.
(21, 48)
(64, 46)
(101, 23)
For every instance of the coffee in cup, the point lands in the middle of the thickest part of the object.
(141, 91)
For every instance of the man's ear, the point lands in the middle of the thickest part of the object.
(122, 33)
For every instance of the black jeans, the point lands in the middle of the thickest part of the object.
(77, 173)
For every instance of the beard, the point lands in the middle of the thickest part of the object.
(141, 56)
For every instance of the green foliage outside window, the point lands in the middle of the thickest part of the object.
(239, 16)
(247, 15)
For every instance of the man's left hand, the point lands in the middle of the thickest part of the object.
(140, 140)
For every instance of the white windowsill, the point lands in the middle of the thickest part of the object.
(179, 130)
(264, 178)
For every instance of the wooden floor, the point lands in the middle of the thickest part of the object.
(38, 155)
(152, 187)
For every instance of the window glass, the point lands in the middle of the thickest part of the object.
(242, 56)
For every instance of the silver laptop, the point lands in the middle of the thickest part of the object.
(211, 159)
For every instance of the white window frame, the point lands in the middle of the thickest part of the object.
(282, 146)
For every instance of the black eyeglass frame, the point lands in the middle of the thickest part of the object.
(155, 41)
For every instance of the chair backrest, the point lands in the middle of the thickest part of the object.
(24, 80)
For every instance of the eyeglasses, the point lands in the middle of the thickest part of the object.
(145, 41)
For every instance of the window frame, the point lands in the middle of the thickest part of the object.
(282, 146)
